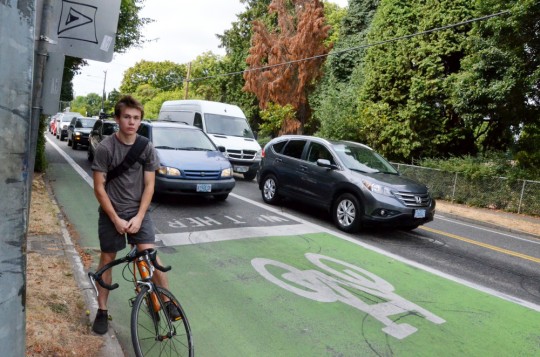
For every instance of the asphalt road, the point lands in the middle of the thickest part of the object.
(491, 261)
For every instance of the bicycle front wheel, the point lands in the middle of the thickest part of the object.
(153, 333)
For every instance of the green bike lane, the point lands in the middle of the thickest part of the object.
(311, 294)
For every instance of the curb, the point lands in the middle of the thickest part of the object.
(111, 346)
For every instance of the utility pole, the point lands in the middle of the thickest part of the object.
(103, 95)
(24, 41)
(187, 80)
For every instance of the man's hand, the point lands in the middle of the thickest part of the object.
(122, 226)
(134, 225)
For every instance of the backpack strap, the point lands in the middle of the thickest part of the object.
(132, 157)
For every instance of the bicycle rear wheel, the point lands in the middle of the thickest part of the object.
(150, 330)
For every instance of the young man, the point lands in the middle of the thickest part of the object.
(124, 200)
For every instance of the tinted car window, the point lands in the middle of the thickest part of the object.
(294, 148)
(277, 147)
(109, 128)
(317, 151)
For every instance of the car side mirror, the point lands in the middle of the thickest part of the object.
(326, 163)
(221, 148)
(95, 132)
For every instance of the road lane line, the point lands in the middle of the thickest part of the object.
(73, 164)
(533, 239)
(484, 245)
(187, 238)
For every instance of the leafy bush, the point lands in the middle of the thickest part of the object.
(41, 162)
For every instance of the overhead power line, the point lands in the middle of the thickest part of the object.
(394, 39)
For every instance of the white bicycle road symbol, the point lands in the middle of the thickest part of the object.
(315, 285)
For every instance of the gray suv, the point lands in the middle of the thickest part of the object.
(356, 184)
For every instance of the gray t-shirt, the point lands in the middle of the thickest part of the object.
(125, 191)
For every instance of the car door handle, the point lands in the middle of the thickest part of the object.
(303, 168)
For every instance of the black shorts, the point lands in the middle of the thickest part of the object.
(110, 241)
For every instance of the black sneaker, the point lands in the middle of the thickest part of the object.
(172, 311)
(101, 323)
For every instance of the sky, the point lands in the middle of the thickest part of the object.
(182, 31)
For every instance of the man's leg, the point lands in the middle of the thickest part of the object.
(103, 296)
(101, 323)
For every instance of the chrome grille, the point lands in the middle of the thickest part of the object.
(201, 174)
(410, 199)
(242, 154)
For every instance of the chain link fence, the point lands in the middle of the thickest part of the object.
(517, 196)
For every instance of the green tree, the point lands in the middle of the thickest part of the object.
(335, 98)
(165, 75)
(205, 84)
(152, 107)
(496, 90)
(300, 33)
(236, 41)
(405, 108)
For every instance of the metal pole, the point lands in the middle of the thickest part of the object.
(521, 197)
(187, 80)
(103, 95)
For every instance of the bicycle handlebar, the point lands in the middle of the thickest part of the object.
(131, 256)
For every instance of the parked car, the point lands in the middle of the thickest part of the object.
(190, 162)
(356, 184)
(79, 131)
(101, 129)
(52, 123)
(62, 124)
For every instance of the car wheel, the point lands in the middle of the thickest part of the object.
(75, 146)
(70, 142)
(249, 176)
(270, 190)
(222, 197)
(347, 212)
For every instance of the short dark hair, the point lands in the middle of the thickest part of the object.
(128, 102)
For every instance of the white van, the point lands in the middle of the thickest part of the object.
(225, 124)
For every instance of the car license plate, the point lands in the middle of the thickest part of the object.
(241, 169)
(204, 187)
(420, 213)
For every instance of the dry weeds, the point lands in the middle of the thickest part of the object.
(56, 322)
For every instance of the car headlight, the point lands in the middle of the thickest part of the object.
(78, 133)
(226, 172)
(168, 171)
(258, 155)
(377, 188)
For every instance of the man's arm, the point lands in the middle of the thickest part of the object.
(149, 181)
(105, 202)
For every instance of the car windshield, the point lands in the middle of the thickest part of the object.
(85, 123)
(359, 158)
(226, 125)
(181, 139)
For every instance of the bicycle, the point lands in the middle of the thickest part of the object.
(152, 331)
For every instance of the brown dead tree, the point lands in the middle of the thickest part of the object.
(282, 69)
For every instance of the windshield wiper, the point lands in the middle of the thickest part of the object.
(165, 147)
(193, 148)
(372, 171)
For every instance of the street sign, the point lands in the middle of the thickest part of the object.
(52, 83)
(86, 28)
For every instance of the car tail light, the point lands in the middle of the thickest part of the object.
(263, 153)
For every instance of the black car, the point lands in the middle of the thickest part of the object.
(356, 184)
(78, 131)
(102, 128)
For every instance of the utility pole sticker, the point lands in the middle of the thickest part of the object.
(318, 286)
(78, 22)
